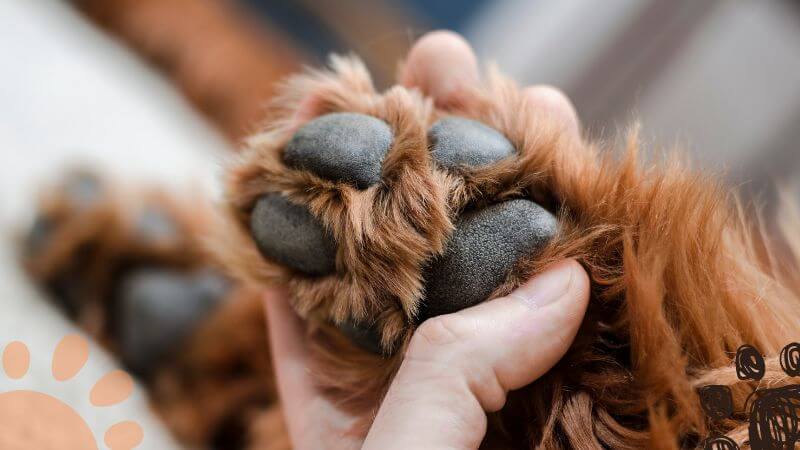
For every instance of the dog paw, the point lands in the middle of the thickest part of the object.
(382, 213)
(126, 264)
(349, 149)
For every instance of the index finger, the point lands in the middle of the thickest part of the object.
(290, 360)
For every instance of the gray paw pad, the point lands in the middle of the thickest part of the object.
(158, 309)
(458, 142)
(289, 234)
(483, 248)
(83, 188)
(154, 224)
(367, 337)
(341, 147)
(39, 235)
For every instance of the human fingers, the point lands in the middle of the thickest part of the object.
(290, 363)
(442, 65)
(554, 102)
(460, 366)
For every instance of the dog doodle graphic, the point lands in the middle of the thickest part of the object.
(774, 413)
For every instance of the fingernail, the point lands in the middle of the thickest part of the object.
(547, 287)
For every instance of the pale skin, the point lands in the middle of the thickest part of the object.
(458, 366)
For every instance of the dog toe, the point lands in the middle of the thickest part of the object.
(457, 142)
(289, 234)
(345, 147)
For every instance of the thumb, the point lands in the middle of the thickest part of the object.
(460, 366)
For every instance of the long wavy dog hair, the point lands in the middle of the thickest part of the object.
(682, 274)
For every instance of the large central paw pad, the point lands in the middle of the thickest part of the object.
(484, 247)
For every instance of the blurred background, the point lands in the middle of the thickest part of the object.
(160, 91)
(720, 79)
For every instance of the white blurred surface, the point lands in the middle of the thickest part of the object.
(70, 96)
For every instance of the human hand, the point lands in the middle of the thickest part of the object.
(458, 366)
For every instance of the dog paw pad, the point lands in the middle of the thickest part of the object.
(160, 309)
(154, 224)
(365, 336)
(289, 234)
(83, 188)
(483, 248)
(345, 147)
(458, 142)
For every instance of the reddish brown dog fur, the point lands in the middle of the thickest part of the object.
(681, 277)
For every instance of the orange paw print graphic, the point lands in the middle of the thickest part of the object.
(34, 420)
